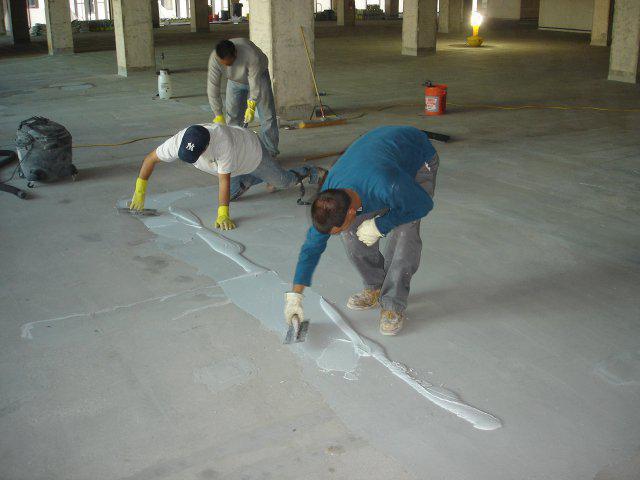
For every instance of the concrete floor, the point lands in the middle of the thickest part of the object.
(527, 301)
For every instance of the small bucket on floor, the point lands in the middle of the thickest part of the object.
(435, 99)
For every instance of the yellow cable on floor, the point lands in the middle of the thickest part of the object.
(543, 107)
(90, 145)
(512, 107)
(386, 107)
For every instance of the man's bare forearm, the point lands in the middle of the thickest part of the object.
(224, 189)
(148, 165)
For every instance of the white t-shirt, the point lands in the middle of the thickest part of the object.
(233, 150)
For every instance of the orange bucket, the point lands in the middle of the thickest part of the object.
(435, 99)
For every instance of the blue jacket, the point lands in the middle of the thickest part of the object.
(380, 167)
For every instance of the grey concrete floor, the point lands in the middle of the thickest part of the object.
(527, 301)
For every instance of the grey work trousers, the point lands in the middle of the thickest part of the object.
(392, 272)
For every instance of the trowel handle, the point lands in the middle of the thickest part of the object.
(440, 137)
(295, 321)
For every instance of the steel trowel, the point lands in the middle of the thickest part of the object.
(297, 331)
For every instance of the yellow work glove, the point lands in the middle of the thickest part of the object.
(250, 112)
(224, 222)
(137, 202)
(219, 119)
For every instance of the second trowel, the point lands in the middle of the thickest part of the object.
(145, 212)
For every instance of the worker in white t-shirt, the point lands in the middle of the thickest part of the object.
(234, 154)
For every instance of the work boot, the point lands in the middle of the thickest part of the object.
(322, 176)
(391, 322)
(364, 300)
(317, 176)
(311, 175)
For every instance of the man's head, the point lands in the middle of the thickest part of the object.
(194, 141)
(226, 52)
(333, 211)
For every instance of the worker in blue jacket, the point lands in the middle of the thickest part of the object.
(381, 186)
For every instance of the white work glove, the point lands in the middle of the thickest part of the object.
(368, 233)
(293, 307)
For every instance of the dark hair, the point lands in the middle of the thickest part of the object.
(225, 49)
(329, 209)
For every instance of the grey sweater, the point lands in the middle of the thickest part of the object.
(249, 65)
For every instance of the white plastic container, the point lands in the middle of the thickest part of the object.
(164, 85)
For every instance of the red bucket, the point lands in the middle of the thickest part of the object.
(435, 100)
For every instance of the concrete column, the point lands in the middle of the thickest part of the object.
(3, 29)
(600, 24)
(155, 14)
(625, 44)
(450, 19)
(59, 34)
(391, 8)
(275, 28)
(419, 27)
(200, 15)
(134, 36)
(467, 9)
(346, 13)
(18, 21)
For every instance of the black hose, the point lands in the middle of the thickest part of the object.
(13, 190)
(7, 157)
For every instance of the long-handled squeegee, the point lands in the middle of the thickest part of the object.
(325, 121)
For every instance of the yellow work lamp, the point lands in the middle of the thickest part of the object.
(476, 20)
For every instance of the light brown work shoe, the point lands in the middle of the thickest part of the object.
(364, 300)
(391, 322)
(321, 176)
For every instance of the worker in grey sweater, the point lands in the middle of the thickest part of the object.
(248, 87)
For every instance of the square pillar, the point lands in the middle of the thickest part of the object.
(134, 36)
(18, 21)
(625, 44)
(59, 34)
(275, 29)
(155, 14)
(391, 8)
(200, 15)
(346, 13)
(600, 23)
(450, 19)
(419, 21)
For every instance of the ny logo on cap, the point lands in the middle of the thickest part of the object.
(190, 146)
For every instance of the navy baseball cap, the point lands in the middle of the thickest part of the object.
(194, 141)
